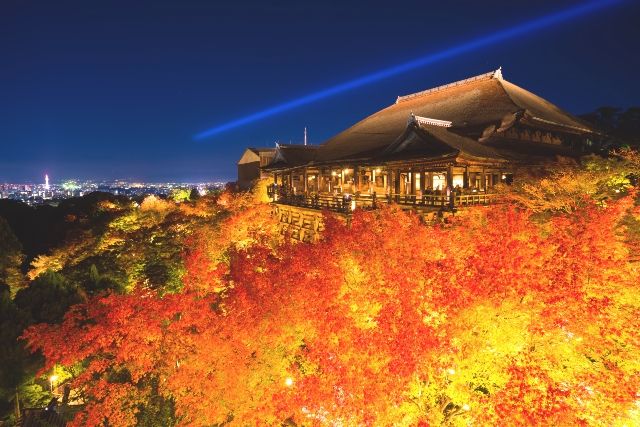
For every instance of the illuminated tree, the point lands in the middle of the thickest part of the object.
(496, 317)
(565, 186)
(11, 258)
(181, 195)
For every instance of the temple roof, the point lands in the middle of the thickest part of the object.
(290, 155)
(424, 139)
(259, 150)
(470, 105)
(428, 140)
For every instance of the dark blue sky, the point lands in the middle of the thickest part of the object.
(118, 89)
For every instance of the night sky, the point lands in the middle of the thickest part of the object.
(118, 89)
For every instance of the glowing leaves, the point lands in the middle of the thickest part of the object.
(491, 319)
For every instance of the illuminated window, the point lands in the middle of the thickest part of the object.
(439, 181)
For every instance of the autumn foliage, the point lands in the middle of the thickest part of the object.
(494, 318)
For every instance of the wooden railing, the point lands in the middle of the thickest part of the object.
(347, 202)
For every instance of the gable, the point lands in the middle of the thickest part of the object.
(249, 156)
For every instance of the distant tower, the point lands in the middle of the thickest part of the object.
(305, 135)
(46, 182)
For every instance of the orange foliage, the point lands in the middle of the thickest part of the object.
(490, 319)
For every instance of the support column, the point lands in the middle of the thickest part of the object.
(305, 179)
(449, 189)
(372, 184)
(396, 181)
(385, 181)
(465, 178)
(413, 182)
(356, 179)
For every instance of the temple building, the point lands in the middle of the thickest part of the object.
(443, 147)
(250, 163)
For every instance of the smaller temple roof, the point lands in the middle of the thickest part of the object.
(291, 155)
(259, 150)
(252, 154)
(429, 138)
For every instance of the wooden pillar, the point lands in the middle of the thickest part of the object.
(450, 186)
(385, 181)
(372, 184)
(356, 178)
(465, 178)
(396, 179)
(483, 180)
(305, 181)
(423, 180)
(413, 181)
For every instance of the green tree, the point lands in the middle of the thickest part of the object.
(17, 366)
(97, 282)
(180, 195)
(48, 298)
(11, 258)
(194, 195)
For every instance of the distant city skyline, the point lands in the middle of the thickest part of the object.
(118, 89)
(45, 181)
(52, 192)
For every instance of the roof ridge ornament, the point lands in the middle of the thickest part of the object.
(496, 74)
(419, 120)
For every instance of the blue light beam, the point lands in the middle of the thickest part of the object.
(483, 41)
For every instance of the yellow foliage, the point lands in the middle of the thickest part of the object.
(156, 205)
(356, 295)
(259, 190)
(43, 263)
(564, 187)
(180, 195)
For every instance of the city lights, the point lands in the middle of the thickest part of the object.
(52, 192)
